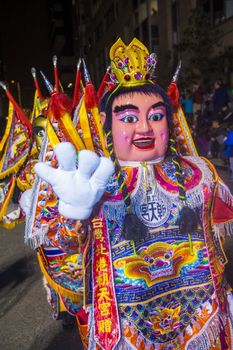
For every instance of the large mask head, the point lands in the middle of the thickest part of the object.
(136, 109)
(138, 118)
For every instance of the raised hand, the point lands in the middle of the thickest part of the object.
(79, 189)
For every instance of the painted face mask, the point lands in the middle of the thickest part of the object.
(139, 127)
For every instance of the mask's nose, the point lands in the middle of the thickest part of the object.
(143, 125)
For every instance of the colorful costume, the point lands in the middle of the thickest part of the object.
(145, 247)
(16, 149)
(20, 154)
(61, 271)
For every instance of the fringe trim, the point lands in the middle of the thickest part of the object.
(225, 194)
(136, 340)
(125, 345)
(225, 229)
(14, 168)
(34, 237)
(208, 335)
(91, 328)
(23, 186)
(195, 198)
(37, 238)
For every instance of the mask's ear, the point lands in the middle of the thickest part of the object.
(102, 117)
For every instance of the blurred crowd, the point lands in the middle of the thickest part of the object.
(210, 118)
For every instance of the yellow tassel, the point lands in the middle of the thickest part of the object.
(52, 136)
(84, 123)
(7, 199)
(8, 126)
(72, 132)
(35, 111)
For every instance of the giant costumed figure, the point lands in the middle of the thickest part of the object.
(148, 223)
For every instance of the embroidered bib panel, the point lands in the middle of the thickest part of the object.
(163, 283)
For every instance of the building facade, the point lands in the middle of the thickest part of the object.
(159, 24)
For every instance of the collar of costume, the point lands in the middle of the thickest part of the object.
(126, 163)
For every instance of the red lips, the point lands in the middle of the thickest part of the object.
(144, 143)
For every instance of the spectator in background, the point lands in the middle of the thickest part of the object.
(201, 138)
(217, 137)
(187, 103)
(197, 99)
(207, 113)
(220, 96)
(228, 152)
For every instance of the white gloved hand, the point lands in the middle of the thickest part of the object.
(26, 201)
(79, 189)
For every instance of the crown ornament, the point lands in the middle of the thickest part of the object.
(131, 65)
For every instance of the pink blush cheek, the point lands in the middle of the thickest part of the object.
(164, 136)
(122, 144)
(123, 137)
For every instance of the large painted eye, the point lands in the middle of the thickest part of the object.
(130, 119)
(156, 117)
(41, 133)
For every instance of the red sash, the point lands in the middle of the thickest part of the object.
(107, 328)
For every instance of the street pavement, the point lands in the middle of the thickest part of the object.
(25, 317)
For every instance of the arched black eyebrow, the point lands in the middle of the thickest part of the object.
(158, 104)
(124, 107)
(121, 108)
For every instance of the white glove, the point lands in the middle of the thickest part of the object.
(79, 189)
(26, 201)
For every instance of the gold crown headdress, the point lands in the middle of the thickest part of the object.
(131, 65)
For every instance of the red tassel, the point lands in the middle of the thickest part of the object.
(77, 92)
(20, 113)
(90, 96)
(102, 86)
(38, 89)
(173, 93)
(56, 79)
(33, 71)
(60, 104)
